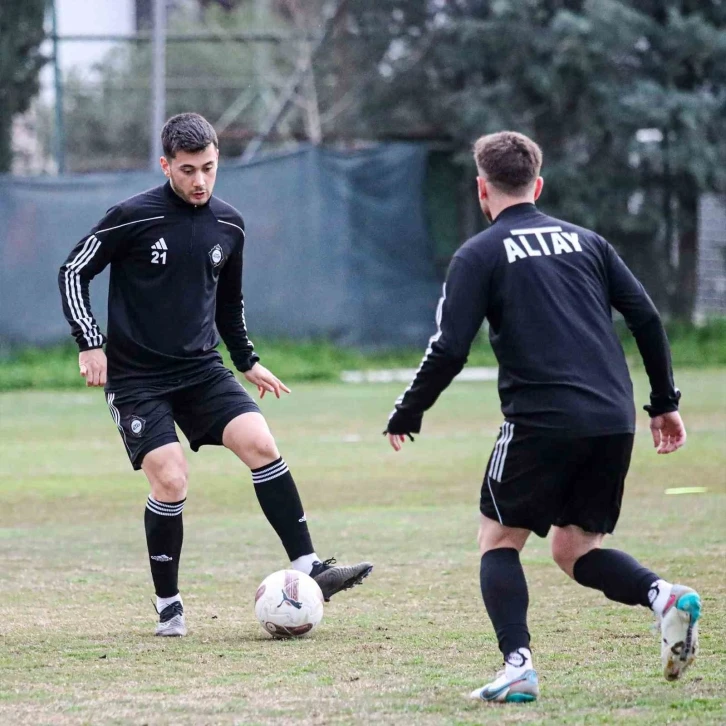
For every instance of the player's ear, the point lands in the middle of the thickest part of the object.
(538, 187)
(481, 187)
(165, 166)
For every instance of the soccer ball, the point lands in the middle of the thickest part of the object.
(288, 604)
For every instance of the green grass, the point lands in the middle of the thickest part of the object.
(76, 621)
(293, 362)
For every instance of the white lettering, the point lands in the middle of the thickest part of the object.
(559, 244)
(542, 242)
(513, 251)
(572, 236)
(530, 251)
(535, 230)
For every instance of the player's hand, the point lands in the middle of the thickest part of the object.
(265, 381)
(402, 423)
(397, 440)
(669, 433)
(92, 364)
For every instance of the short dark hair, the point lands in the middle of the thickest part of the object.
(509, 160)
(187, 132)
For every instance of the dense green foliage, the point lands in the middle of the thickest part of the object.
(627, 98)
(21, 33)
(320, 361)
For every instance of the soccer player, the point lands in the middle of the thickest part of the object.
(547, 287)
(176, 285)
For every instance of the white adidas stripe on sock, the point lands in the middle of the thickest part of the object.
(270, 472)
(164, 508)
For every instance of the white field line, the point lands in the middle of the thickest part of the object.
(405, 375)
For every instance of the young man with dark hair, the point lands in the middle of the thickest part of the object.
(547, 287)
(176, 285)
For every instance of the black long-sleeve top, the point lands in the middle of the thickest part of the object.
(547, 288)
(176, 285)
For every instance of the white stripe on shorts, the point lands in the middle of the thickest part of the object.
(498, 450)
(116, 416)
(494, 501)
(500, 469)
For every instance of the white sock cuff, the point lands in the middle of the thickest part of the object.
(165, 509)
(269, 472)
(164, 602)
(517, 662)
(305, 563)
(658, 595)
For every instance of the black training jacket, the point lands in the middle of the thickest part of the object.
(176, 279)
(547, 288)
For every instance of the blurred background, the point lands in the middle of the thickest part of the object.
(346, 129)
(345, 132)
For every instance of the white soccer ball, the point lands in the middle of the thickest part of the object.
(289, 604)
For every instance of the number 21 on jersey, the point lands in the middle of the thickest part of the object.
(158, 252)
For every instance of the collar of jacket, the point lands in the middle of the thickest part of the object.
(513, 211)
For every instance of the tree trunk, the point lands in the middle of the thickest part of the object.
(6, 139)
(684, 296)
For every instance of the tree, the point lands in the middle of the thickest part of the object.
(21, 33)
(585, 78)
(682, 94)
(627, 98)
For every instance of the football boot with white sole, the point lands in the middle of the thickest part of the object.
(679, 631)
(171, 621)
(521, 689)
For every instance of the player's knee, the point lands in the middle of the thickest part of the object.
(562, 554)
(569, 544)
(486, 541)
(170, 482)
(261, 450)
(492, 535)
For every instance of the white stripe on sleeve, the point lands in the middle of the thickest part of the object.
(432, 340)
(126, 224)
(70, 299)
(94, 331)
(74, 295)
(233, 225)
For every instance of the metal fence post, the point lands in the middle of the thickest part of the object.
(158, 82)
(59, 141)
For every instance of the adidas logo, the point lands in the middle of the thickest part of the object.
(158, 252)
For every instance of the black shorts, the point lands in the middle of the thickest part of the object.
(535, 481)
(145, 417)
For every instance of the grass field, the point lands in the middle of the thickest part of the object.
(76, 622)
(320, 361)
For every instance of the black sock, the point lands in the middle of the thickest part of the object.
(164, 536)
(616, 574)
(280, 501)
(506, 598)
